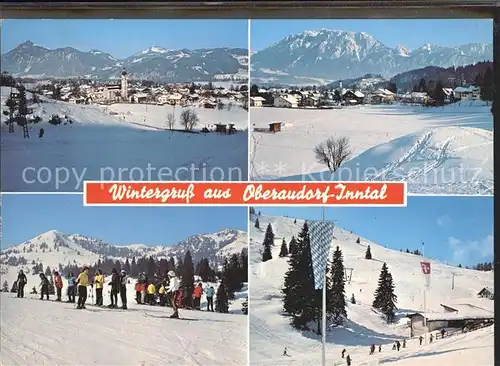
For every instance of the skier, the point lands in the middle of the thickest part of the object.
(40, 135)
(431, 338)
(284, 352)
(210, 298)
(138, 292)
(343, 352)
(404, 343)
(123, 289)
(58, 284)
(442, 333)
(151, 294)
(173, 290)
(379, 348)
(82, 282)
(44, 286)
(348, 360)
(34, 291)
(198, 291)
(21, 282)
(71, 287)
(161, 294)
(398, 345)
(372, 349)
(99, 284)
(420, 339)
(115, 288)
(394, 347)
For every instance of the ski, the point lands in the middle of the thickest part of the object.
(167, 317)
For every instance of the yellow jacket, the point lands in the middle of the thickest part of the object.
(162, 290)
(151, 289)
(99, 281)
(83, 279)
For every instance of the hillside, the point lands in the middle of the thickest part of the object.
(270, 332)
(54, 248)
(325, 55)
(155, 63)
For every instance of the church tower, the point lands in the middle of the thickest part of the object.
(124, 87)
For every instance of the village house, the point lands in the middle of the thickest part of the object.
(176, 99)
(380, 96)
(352, 97)
(139, 97)
(486, 293)
(310, 101)
(285, 101)
(76, 100)
(256, 101)
(457, 316)
(467, 93)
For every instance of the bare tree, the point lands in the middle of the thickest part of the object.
(254, 171)
(170, 121)
(333, 152)
(189, 119)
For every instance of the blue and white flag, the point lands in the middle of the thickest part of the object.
(321, 235)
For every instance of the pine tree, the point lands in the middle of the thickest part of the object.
(336, 302)
(187, 279)
(487, 86)
(439, 95)
(298, 290)
(292, 246)
(353, 299)
(284, 249)
(221, 299)
(257, 224)
(385, 299)
(295, 221)
(358, 241)
(268, 243)
(368, 254)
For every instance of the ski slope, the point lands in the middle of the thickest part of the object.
(118, 142)
(270, 332)
(52, 333)
(444, 150)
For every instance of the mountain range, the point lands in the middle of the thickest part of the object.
(53, 248)
(325, 55)
(155, 63)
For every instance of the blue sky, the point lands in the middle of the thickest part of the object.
(412, 33)
(123, 38)
(26, 216)
(457, 230)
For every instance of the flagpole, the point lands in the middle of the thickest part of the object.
(323, 332)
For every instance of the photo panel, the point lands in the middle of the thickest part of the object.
(170, 284)
(155, 100)
(374, 99)
(404, 286)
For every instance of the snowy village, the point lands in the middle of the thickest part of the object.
(416, 116)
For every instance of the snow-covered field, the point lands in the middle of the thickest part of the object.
(270, 332)
(51, 333)
(119, 142)
(444, 150)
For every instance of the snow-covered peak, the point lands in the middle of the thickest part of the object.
(154, 49)
(402, 50)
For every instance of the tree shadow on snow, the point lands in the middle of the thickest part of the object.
(353, 334)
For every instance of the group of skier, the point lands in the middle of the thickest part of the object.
(153, 292)
(78, 286)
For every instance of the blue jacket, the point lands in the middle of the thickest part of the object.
(209, 292)
(71, 281)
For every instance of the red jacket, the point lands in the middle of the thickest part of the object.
(58, 281)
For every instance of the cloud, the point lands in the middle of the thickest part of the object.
(464, 251)
(444, 220)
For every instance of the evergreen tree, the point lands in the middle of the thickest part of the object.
(252, 211)
(187, 279)
(221, 299)
(385, 299)
(487, 85)
(292, 246)
(439, 95)
(358, 241)
(295, 221)
(368, 254)
(48, 272)
(244, 266)
(257, 224)
(336, 302)
(284, 249)
(298, 290)
(127, 267)
(268, 243)
(353, 299)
